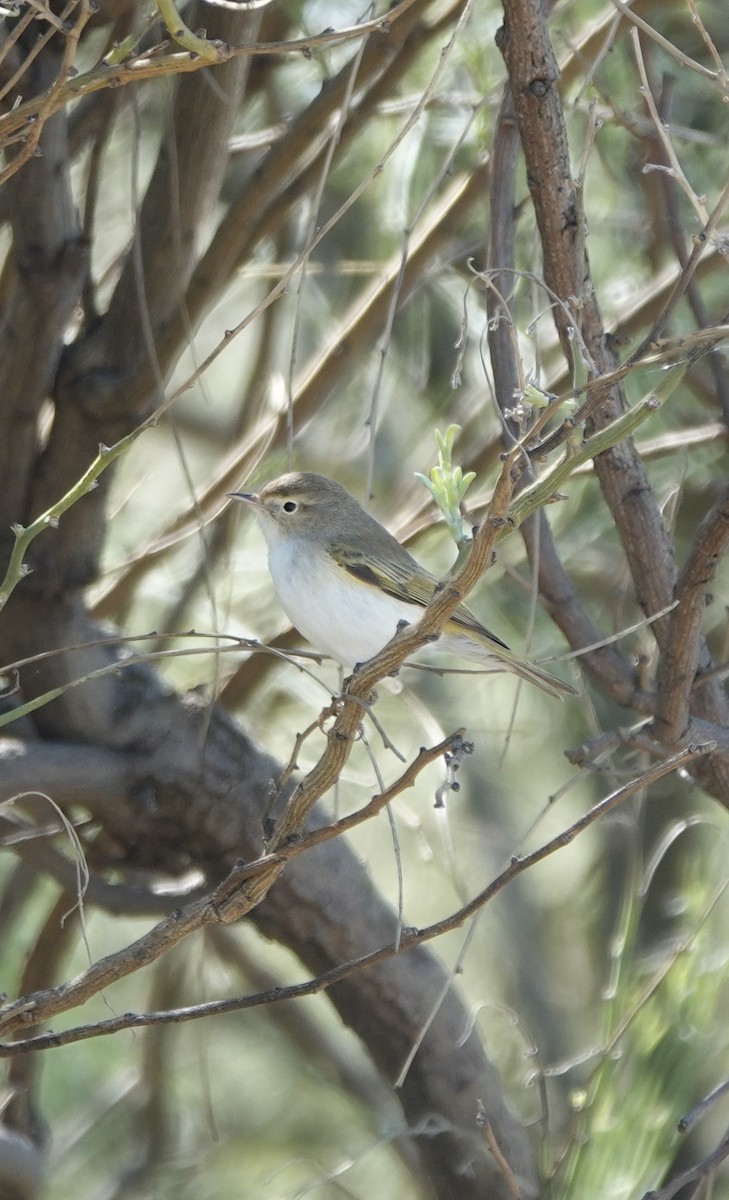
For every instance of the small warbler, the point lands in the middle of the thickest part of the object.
(346, 583)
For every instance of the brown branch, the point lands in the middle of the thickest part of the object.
(45, 268)
(159, 65)
(292, 165)
(644, 308)
(212, 802)
(197, 794)
(533, 74)
(452, 746)
(684, 647)
(555, 588)
(302, 1028)
(33, 847)
(42, 1006)
(225, 903)
(107, 378)
(93, 776)
(183, 187)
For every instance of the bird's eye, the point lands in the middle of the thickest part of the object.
(290, 506)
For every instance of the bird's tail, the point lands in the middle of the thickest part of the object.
(542, 679)
(495, 656)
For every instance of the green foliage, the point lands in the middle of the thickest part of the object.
(448, 485)
(661, 1033)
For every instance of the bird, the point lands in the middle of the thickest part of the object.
(347, 584)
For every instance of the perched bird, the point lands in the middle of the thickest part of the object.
(346, 583)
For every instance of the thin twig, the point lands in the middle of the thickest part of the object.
(146, 66)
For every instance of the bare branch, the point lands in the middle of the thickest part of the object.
(685, 652)
(56, 1000)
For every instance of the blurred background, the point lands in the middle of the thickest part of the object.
(597, 979)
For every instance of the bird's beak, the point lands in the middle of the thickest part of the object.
(251, 498)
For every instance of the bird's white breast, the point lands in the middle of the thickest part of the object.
(346, 619)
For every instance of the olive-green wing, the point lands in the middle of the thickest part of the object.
(406, 580)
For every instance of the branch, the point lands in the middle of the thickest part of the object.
(210, 50)
(54, 1000)
(683, 647)
(40, 290)
(224, 904)
(25, 535)
(533, 76)
(555, 588)
(156, 65)
(703, 1169)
